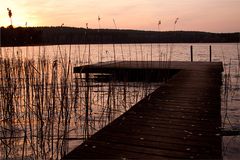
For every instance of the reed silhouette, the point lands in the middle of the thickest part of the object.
(10, 16)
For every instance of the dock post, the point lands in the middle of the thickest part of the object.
(210, 53)
(191, 48)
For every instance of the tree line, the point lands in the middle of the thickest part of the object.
(23, 36)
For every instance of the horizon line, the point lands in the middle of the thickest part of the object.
(130, 29)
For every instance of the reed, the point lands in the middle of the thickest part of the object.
(36, 100)
(10, 15)
(44, 105)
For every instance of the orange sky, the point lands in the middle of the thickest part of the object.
(197, 15)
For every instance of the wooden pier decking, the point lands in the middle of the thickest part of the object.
(180, 119)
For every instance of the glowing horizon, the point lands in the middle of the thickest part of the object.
(204, 15)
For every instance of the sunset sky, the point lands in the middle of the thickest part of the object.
(194, 15)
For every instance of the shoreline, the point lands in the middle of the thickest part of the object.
(42, 36)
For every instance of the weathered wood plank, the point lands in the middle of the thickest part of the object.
(180, 119)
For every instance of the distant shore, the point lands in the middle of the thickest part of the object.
(68, 35)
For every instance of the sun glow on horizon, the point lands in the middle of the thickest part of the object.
(204, 15)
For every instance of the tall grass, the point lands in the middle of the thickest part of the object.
(43, 105)
(37, 100)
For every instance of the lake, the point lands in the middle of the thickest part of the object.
(37, 80)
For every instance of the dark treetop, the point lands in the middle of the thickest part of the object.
(68, 35)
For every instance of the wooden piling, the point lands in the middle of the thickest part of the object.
(210, 53)
(191, 49)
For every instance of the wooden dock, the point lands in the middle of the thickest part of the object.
(179, 120)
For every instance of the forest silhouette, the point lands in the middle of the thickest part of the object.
(22, 36)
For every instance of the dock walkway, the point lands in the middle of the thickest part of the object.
(180, 119)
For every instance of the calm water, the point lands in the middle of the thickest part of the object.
(103, 96)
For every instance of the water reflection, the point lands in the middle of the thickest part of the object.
(44, 106)
(43, 111)
(230, 103)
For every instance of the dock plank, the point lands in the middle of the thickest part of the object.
(180, 119)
